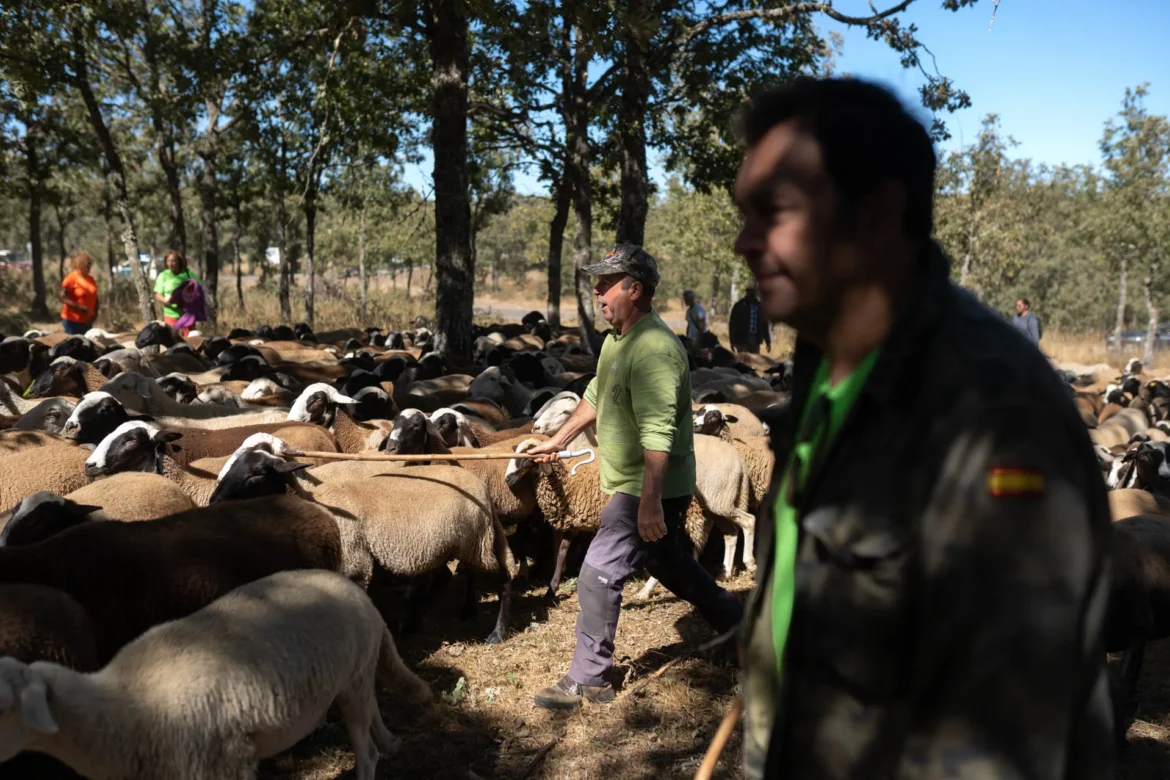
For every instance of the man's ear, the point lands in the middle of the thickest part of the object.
(881, 215)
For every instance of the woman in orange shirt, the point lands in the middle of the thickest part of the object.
(79, 296)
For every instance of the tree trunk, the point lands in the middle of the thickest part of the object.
(577, 169)
(117, 178)
(453, 260)
(285, 262)
(1152, 309)
(1121, 294)
(556, 242)
(61, 225)
(36, 192)
(409, 276)
(635, 184)
(713, 303)
(363, 280)
(165, 147)
(236, 252)
(209, 228)
(111, 263)
(969, 250)
(310, 239)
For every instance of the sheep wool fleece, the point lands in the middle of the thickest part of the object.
(642, 394)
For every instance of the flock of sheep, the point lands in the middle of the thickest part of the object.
(183, 592)
(1128, 418)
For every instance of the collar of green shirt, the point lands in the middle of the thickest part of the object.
(814, 438)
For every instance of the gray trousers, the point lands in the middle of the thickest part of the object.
(616, 553)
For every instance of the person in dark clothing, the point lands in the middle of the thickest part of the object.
(1025, 321)
(932, 552)
(747, 326)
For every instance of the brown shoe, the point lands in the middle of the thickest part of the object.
(568, 695)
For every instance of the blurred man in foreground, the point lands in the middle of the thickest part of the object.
(932, 553)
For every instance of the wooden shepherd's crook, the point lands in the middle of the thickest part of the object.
(707, 768)
(563, 454)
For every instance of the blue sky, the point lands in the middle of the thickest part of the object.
(1054, 70)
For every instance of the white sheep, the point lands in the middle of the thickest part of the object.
(207, 696)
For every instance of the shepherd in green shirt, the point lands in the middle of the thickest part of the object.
(170, 280)
(640, 401)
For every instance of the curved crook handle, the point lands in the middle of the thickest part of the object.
(566, 454)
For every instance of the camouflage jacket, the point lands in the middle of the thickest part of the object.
(951, 571)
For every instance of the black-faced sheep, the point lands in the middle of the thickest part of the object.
(311, 640)
(131, 576)
(439, 514)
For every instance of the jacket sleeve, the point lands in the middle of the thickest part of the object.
(1009, 602)
(1034, 329)
(655, 381)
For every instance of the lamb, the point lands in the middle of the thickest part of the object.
(1131, 502)
(98, 414)
(733, 387)
(454, 428)
(131, 576)
(739, 421)
(16, 440)
(141, 446)
(45, 624)
(724, 490)
(11, 403)
(40, 516)
(57, 468)
(572, 502)
(142, 394)
(756, 451)
(67, 377)
(179, 703)
(496, 386)
(320, 404)
(439, 513)
(1139, 593)
(1120, 427)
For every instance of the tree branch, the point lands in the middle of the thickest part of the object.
(776, 14)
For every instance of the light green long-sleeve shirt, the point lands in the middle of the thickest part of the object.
(642, 394)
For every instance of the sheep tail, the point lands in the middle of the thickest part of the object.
(396, 677)
(508, 567)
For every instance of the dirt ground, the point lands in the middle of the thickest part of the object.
(1147, 755)
(482, 723)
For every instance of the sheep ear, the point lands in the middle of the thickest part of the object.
(167, 436)
(81, 510)
(288, 467)
(34, 708)
(731, 418)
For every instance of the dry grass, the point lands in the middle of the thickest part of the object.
(1089, 349)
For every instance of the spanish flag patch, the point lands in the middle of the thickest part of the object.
(1008, 482)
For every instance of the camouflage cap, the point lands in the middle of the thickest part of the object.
(627, 259)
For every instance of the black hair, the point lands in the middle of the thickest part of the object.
(1026, 302)
(866, 137)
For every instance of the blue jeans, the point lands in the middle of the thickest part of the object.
(76, 328)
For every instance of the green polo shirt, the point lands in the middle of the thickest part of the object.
(841, 398)
(642, 394)
(166, 283)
